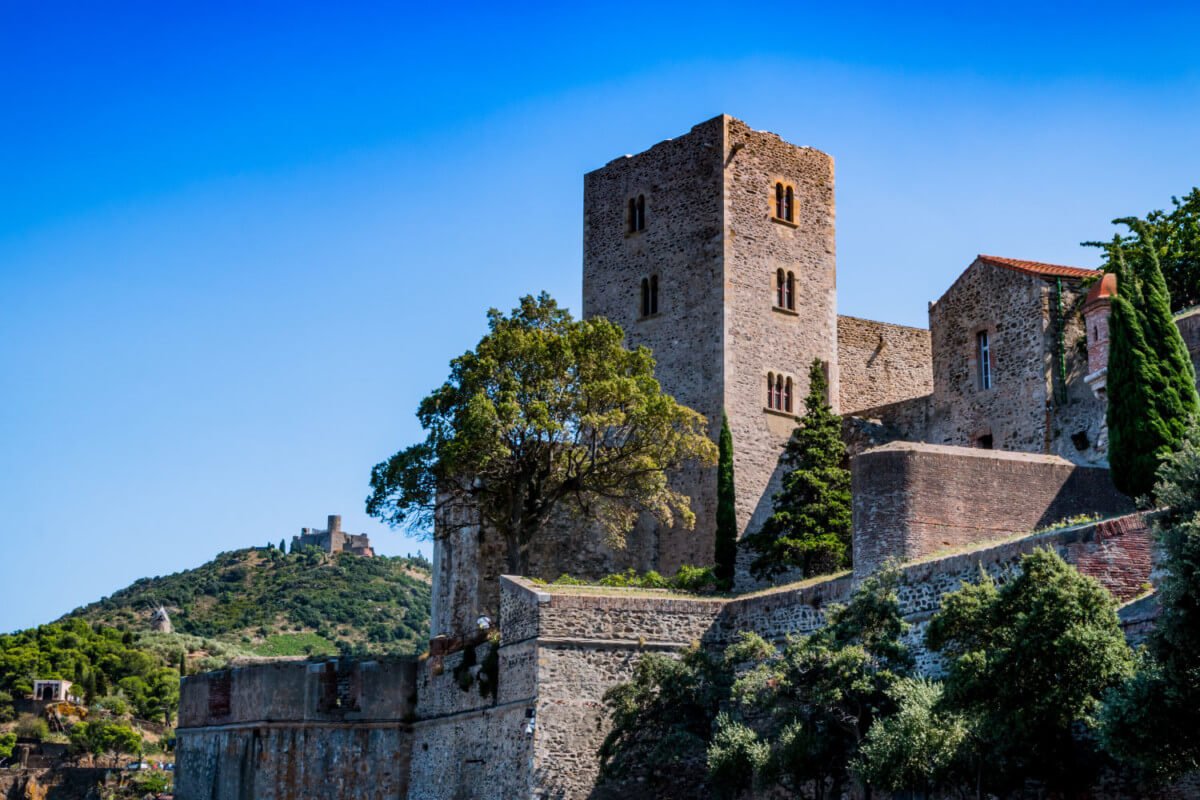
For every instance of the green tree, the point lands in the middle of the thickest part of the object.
(1028, 663)
(8, 741)
(1151, 382)
(919, 747)
(810, 529)
(661, 723)
(31, 727)
(726, 543)
(546, 414)
(1152, 722)
(282, 545)
(1176, 236)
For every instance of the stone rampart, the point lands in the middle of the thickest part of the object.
(880, 363)
(913, 500)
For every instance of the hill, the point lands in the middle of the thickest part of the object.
(265, 603)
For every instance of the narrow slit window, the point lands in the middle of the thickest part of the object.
(637, 213)
(789, 204)
(780, 282)
(787, 396)
(645, 297)
(789, 292)
(653, 294)
(778, 392)
(983, 354)
(779, 200)
(770, 390)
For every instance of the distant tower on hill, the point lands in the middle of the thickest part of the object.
(333, 539)
(160, 621)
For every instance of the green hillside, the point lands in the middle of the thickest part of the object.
(264, 603)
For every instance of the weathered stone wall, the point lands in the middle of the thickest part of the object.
(1189, 327)
(296, 730)
(1029, 408)
(880, 363)
(912, 500)
(681, 180)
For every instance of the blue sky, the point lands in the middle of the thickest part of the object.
(238, 242)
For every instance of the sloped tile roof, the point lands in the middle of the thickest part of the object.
(1038, 268)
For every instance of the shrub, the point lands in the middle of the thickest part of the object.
(31, 727)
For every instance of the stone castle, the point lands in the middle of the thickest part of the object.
(716, 250)
(333, 539)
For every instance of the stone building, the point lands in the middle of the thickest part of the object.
(716, 250)
(333, 539)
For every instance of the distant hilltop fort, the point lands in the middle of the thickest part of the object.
(333, 539)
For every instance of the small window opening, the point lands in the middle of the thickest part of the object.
(778, 392)
(984, 442)
(653, 294)
(1080, 440)
(779, 195)
(637, 213)
(780, 280)
(649, 305)
(983, 356)
(787, 396)
(789, 205)
(789, 292)
(770, 390)
(645, 297)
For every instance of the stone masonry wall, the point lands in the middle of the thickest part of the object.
(296, 730)
(880, 363)
(759, 337)
(1029, 407)
(681, 180)
(1189, 327)
(912, 500)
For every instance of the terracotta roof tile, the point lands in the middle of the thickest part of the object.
(1038, 268)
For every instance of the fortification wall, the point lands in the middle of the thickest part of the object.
(880, 363)
(912, 500)
(297, 730)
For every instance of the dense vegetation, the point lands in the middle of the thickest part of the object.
(106, 665)
(1151, 382)
(1176, 236)
(1028, 664)
(810, 529)
(265, 602)
(546, 415)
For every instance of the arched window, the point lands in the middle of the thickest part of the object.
(780, 284)
(653, 294)
(645, 295)
(789, 205)
(789, 292)
(787, 396)
(779, 199)
(779, 392)
(637, 213)
(770, 390)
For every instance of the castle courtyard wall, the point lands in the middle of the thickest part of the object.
(913, 500)
(880, 363)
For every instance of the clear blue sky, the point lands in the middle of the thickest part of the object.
(238, 242)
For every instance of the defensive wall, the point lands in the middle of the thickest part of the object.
(913, 500)
(536, 730)
(880, 363)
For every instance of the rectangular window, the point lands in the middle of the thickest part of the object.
(983, 355)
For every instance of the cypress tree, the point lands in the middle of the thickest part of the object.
(810, 529)
(726, 544)
(1151, 383)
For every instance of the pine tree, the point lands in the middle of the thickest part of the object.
(726, 544)
(1151, 383)
(810, 529)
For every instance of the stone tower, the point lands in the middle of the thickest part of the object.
(716, 250)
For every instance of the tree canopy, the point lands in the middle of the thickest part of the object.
(810, 529)
(546, 414)
(1027, 664)
(1151, 381)
(1153, 721)
(1175, 234)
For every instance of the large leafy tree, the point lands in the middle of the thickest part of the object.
(546, 414)
(1153, 721)
(811, 526)
(1027, 665)
(1151, 382)
(726, 540)
(1176, 236)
